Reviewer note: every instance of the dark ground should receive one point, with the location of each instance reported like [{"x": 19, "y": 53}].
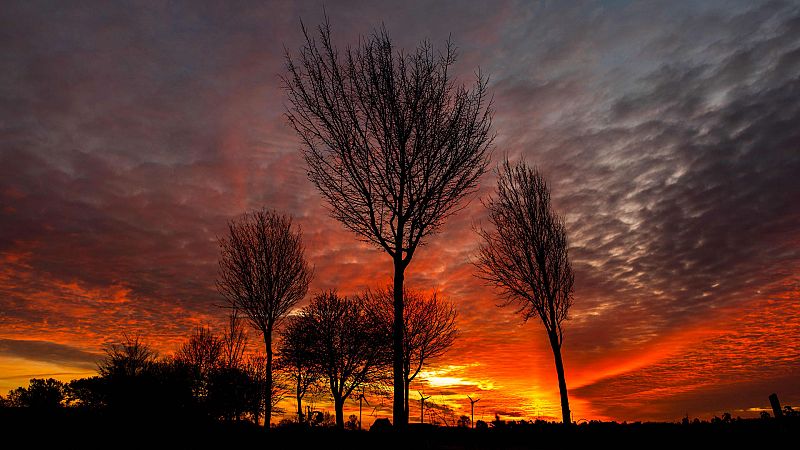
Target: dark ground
[{"x": 76, "y": 429}]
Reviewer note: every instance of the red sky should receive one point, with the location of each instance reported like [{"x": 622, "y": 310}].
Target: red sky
[{"x": 131, "y": 136}]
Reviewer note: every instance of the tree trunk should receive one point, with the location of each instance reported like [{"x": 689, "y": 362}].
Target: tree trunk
[
  {"x": 398, "y": 410},
  {"x": 338, "y": 404},
  {"x": 299, "y": 403},
  {"x": 257, "y": 409},
  {"x": 407, "y": 385},
  {"x": 268, "y": 380},
  {"x": 562, "y": 382}
]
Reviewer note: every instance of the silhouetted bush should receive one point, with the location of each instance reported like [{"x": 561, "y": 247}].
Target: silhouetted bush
[
  {"x": 230, "y": 393},
  {"x": 40, "y": 394},
  {"x": 89, "y": 393},
  {"x": 382, "y": 424},
  {"x": 135, "y": 384}
]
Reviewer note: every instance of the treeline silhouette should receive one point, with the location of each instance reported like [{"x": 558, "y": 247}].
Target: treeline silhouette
[
  {"x": 196, "y": 383},
  {"x": 336, "y": 347},
  {"x": 212, "y": 388},
  {"x": 142, "y": 400}
]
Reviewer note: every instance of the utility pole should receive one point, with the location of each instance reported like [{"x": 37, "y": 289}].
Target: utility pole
[
  {"x": 422, "y": 406},
  {"x": 776, "y": 406},
  {"x": 472, "y": 409}
]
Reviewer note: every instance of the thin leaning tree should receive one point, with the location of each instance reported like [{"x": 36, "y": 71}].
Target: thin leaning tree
[
  {"x": 263, "y": 273},
  {"x": 392, "y": 143},
  {"x": 525, "y": 256}
]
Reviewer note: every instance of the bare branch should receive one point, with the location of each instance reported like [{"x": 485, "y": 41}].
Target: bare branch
[
  {"x": 390, "y": 141},
  {"x": 430, "y": 325}
]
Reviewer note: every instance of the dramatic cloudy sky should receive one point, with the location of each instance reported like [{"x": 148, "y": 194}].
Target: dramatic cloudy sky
[{"x": 131, "y": 133}]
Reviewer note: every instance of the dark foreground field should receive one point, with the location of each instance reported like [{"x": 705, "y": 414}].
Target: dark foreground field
[{"x": 76, "y": 430}]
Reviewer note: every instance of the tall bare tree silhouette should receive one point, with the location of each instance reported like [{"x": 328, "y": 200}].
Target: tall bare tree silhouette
[
  {"x": 429, "y": 327},
  {"x": 202, "y": 353},
  {"x": 391, "y": 142},
  {"x": 263, "y": 273},
  {"x": 234, "y": 341},
  {"x": 525, "y": 256}
]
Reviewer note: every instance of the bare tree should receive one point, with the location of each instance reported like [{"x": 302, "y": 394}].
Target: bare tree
[
  {"x": 296, "y": 358},
  {"x": 391, "y": 142},
  {"x": 129, "y": 358},
  {"x": 429, "y": 328},
  {"x": 525, "y": 256},
  {"x": 263, "y": 273},
  {"x": 202, "y": 352},
  {"x": 346, "y": 345},
  {"x": 234, "y": 341}
]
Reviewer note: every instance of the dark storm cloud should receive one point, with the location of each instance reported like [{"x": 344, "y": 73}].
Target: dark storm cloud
[
  {"x": 132, "y": 135},
  {"x": 49, "y": 352},
  {"x": 693, "y": 181},
  {"x": 681, "y": 192},
  {"x": 686, "y": 160},
  {"x": 118, "y": 158}
]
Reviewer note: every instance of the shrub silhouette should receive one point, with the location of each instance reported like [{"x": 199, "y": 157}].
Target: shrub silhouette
[{"x": 41, "y": 394}]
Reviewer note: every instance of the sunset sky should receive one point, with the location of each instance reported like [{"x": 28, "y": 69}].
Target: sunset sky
[{"x": 669, "y": 132}]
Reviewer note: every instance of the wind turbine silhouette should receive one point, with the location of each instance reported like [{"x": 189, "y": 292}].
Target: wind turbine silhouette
[
  {"x": 361, "y": 399},
  {"x": 472, "y": 409},
  {"x": 422, "y": 406}
]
